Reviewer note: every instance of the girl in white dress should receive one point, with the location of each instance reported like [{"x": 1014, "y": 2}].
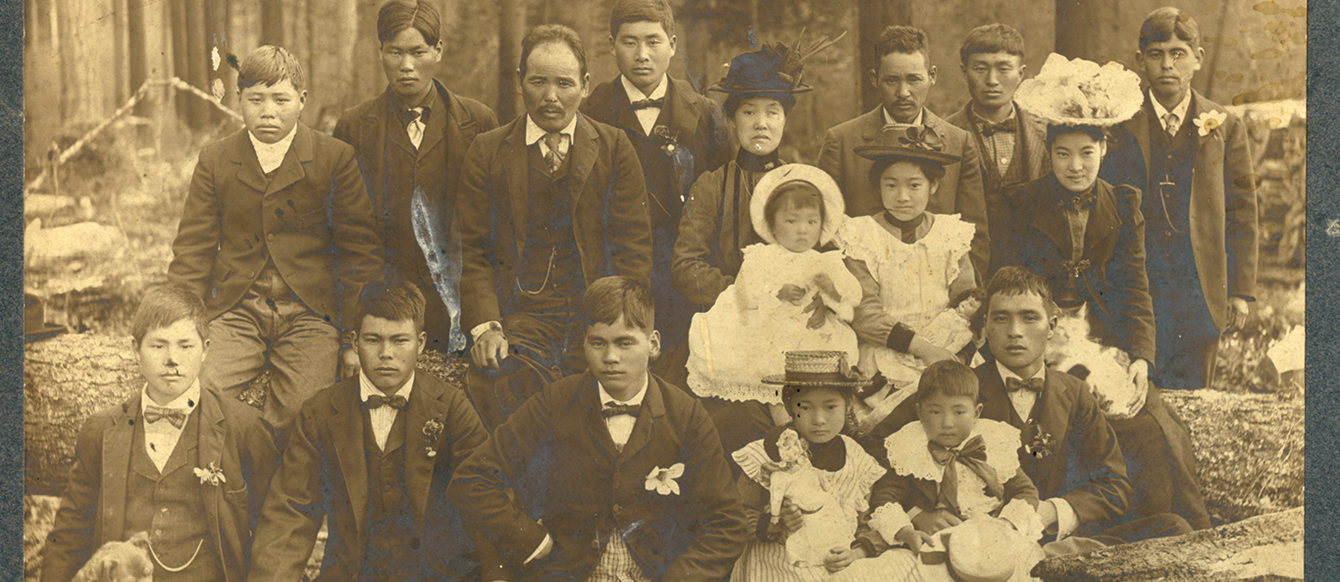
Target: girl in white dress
[{"x": 789, "y": 294}]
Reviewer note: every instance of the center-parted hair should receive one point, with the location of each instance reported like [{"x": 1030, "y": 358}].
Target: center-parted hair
[
  {"x": 947, "y": 378},
  {"x": 609, "y": 298},
  {"x": 397, "y": 15},
  {"x": 797, "y": 195},
  {"x": 1016, "y": 280},
  {"x": 270, "y": 64},
  {"x": 552, "y": 33},
  {"x": 393, "y": 300},
  {"x": 992, "y": 38},
  {"x": 934, "y": 172},
  {"x": 165, "y": 305},
  {"x": 1164, "y": 24},
  {"x": 1093, "y": 131},
  {"x": 903, "y": 39},
  {"x": 657, "y": 11}
]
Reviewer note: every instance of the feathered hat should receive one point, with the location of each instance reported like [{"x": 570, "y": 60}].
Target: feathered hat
[
  {"x": 773, "y": 68},
  {"x": 1079, "y": 92}
]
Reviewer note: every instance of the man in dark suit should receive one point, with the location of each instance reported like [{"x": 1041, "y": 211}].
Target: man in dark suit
[
  {"x": 1011, "y": 141},
  {"x": 549, "y": 203},
  {"x": 373, "y": 455},
  {"x": 611, "y": 474},
  {"x": 1192, "y": 158},
  {"x": 411, "y": 138},
  {"x": 678, "y": 135},
  {"x": 904, "y": 79},
  {"x": 180, "y": 463},
  {"x": 277, "y": 237}
]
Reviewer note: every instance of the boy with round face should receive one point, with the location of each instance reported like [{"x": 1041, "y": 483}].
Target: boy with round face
[
  {"x": 372, "y": 455},
  {"x": 412, "y": 137},
  {"x": 161, "y": 461}
]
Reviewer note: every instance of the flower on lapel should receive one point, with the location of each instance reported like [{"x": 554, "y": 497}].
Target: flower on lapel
[
  {"x": 1209, "y": 121},
  {"x": 432, "y": 430},
  {"x": 1040, "y": 445},
  {"x": 663, "y": 480},
  {"x": 211, "y": 474},
  {"x": 666, "y": 141}
]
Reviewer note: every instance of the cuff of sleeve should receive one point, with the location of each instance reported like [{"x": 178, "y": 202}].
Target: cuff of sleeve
[
  {"x": 1066, "y": 519},
  {"x": 888, "y": 520},
  {"x": 900, "y": 337},
  {"x": 546, "y": 543},
  {"x": 1024, "y": 519},
  {"x": 479, "y": 330}
]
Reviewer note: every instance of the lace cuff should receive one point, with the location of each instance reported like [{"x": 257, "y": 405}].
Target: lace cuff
[
  {"x": 1024, "y": 519},
  {"x": 888, "y": 520}
]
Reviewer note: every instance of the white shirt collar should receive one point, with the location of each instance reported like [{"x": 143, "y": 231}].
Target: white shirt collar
[
  {"x": 635, "y": 94},
  {"x": 186, "y": 401},
  {"x": 636, "y": 400},
  {"x": 534, "y": 132},
  {"x": 1006, "y": 373},
  {"x": 271, "y": 155},
  {"x": 1179, "y": 111},
  {"x": 366, "y": 388},
  {"x": 888, "y": 119}
]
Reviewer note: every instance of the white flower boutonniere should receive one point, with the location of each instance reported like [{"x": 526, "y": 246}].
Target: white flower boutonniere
[
  {"x": 431, "y": 431},
  {"x": 663, "y": 480},
  {"x": 1209, "y": 121},
  {"x": 212, "y": 475}
]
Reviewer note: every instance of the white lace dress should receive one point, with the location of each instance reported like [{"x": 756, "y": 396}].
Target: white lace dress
[{"x": 746, "y": 334}]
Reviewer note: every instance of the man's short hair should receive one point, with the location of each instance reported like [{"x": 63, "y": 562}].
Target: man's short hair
[
  {"x": 392, "y": 300},
  {"x": 165, "y": 305},
  {"x": 657, "y": 11},
  {"x": 948, "y": 378},
  {"x": 992, "y": 38},
  {"x": 268, "y": 65},
  {"x": 1016, "y": 280},
  {"x": 552, "y": 33},
  {"x": 1163, "y": 24},
  {"x": 397, "y": 15},
  {"x": 902, "y": 39},
  {"x": 609, "y": 298}
]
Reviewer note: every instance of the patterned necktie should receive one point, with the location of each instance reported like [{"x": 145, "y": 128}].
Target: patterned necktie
[
  {"x": 1170, "y": 124},
  {"x": 416, "y": 126},
  {"x": 610, "y": 409},
  {"x": 1031, "y": 384},
  {"x": 641, "y": 104},
  {"x": 176, "y": 416},
  {"x": 990, "y": 128},
  {"x": 376, "y": 401},
  {"x": 554, "y": 140},
  {"x": 971, "y": 454}
]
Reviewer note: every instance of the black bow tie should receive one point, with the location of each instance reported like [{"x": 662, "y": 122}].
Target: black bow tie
[
  {"x": 1078, "y": 202},
  {"x": 990, "y": 128},
  {"x": 376, "y": 401},
  {"x": 610, "y": 410},
  {"x": 176, "y": 416},
  {"x": 1031, "y": 384},
  {"x": 641, "y": 104}
]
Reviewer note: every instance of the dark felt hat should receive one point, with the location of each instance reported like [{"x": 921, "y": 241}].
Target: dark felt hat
[
  {"x": 915, "y": 143},
  {"x": 772, "y": 69},
  {"x": 818, "y": 368}
]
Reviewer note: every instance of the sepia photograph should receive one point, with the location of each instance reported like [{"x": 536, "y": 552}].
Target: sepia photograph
[{"x": 632, "y": 290}]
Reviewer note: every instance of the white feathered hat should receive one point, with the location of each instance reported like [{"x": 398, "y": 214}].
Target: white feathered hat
[{"x": 1079, "y": 92}]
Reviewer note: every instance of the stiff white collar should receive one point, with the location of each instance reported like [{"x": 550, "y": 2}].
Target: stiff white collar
[
  {"x": 366, "y": 388},
  {"x": 888, "y": 119},
  {"x": 1179, "y": 111},
  {"x": 186, "y": 401},
  {"x": 1006, "y": 373},
  {"x": 534, "y": 132},
  {"x": 635, "y": 94},
  {"x": 271, "y": 155},
  {"x": 636, "y": 400}
]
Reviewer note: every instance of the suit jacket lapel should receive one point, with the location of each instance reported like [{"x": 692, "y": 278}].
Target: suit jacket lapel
[
  {"x": 116, "y": 443},
  {"x": 588, "y": 401},
  {"x": 1034, "y": 138},
  {"x": 1049, "y": 219},
  {"x": 425, "y": 403},
  {"x": 347, "y": 436},
  {"x": 515, "y": 170},
  {"x": 995, "y": 399},
  {"x": 213, "y": 429},
  {"x": 581, "y": 160},
  {"x": 1103, "y": 223},
  {"x": 622, "y": 108},
  {"x": 653, "y": 408},
  {"x": 1053, "y": 415},
  {"x": 682, "y": 116},
  {"x": 872, "y": 122},
  {"x": 248, "y": 167},
  {"x": 459, "y": 126},
  {"x": 291, "y": 170},
  {"x": 1140, "y": 128}
]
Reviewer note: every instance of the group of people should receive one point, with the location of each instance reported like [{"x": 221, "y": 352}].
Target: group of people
[{"x": 688, "y": 358}]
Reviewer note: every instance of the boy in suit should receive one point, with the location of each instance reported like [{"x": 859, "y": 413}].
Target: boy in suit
[
  {"x": 1068, "y": 448},
  {"x": 277, "y": 236},
  {"x": 373, "y": 455},
  {"x": 904, "y": 79},
  {"x": 678, "y": 135},
  {"x": 549, "y": 203},
  {"x": 1011, "y": 141},
  {"x": 413, "y": 137},
  {"x": 622, "y": 476},
  {"x": 1191, "y": 157},
  {"x": 180, "y": 463}
]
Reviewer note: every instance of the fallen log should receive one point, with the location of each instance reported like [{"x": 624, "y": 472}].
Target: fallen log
[{"x": 1268, "y": 547}]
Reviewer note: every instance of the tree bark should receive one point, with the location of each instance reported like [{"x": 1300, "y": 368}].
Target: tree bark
[{"x": 512, "y": 26}]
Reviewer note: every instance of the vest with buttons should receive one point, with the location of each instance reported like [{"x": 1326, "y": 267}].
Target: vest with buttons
[
  {"x": 170, "y": 507},
  {"x": 658, "y": 169},
  {"x": 549, "y": 231},
  {"x": 1167, "y": 208},
  {"x": 391, "y": 549}
]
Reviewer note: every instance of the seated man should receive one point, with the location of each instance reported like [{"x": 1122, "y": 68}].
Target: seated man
[
  {"x": 619, "y": 476},
  {"x": 373, "y": 455},
  {"x": 549, "y": 203},
  {"x": 185, "y": 465}
]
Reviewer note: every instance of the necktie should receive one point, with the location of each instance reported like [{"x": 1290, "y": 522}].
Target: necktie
[
  {"x": 972, "y": 454},
  {"x": 990, "y": 128},
  {"x": 611, "y": 409},
  {"x": 641, "y": 104},
  {"x": 1031, "y": 384},
  {"x": 416, "y": 126},
  {"x": 176, "y": 416},
  {"x": 1170, "y": 124},
  {"x": 376, "y": 401},
  {"x": 554, "y": 140}
]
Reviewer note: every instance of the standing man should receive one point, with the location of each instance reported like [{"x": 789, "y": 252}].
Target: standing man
[
  {"x": 904, "y": 79},
  {"x": 1191, "y": 156},
  {"x": 678, "y": 135},
  {"x": 549, "y": 202},
  {"x": 1012, "y": 142},
  {"x": 413, "y": 138}
]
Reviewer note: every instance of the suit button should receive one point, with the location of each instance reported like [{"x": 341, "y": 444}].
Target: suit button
[
  {"x": 270, "y": 237},
  {"x": 164, "y": 510}
]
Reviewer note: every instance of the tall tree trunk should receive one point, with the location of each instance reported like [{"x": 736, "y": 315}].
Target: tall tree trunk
[
  {"x": 136, "y": 53},
  {"x": 272, "y": 22},
  {"x": 512, "y": 26},
  {"x": 1088, "y": 29},
  {"x": 875, "y": 16}
]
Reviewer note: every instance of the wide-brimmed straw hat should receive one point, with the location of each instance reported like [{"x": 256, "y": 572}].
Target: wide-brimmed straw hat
[
  {"x": 1078, "y": 92},
  {"x": 818, "y": 368},
  {"x": 834, "y": 207},
  {"x": 915, "y": 143}
]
